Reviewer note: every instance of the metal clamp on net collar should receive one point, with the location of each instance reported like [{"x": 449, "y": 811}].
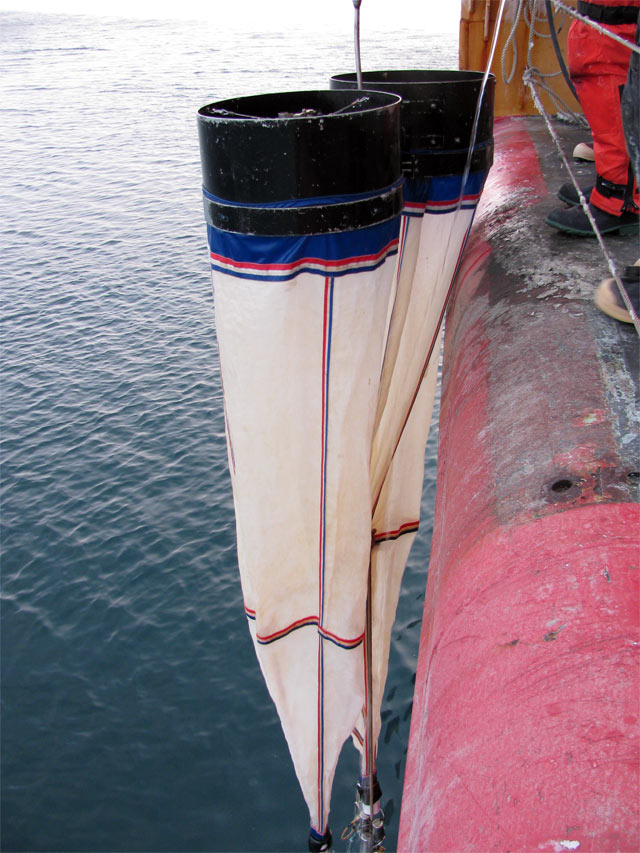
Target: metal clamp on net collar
[
  {"x": 365, "y": 832},
  {"x": 367, "y": 827},
  {"x": 221, "y": 113},
  {"x": 354, "y": 105},
  {"x": 307, "y": 113},
  {"x": 425, "y": 163},
  {"x": 218, "y": 112},
  {"x": 437, "y": 117}
]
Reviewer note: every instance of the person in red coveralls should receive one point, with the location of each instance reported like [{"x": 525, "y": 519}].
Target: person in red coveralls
[
  {"x": 598, "y": 67},
  {"x": 608, "y": 297}
]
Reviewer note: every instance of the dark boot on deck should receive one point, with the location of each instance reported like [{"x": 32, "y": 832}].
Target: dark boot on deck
[
  {"x": 569, "y": 194},
  {"x": 573, "y": 220}
]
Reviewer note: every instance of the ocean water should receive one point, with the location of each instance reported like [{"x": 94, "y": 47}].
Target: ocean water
[{"x": 134, "y": 715}]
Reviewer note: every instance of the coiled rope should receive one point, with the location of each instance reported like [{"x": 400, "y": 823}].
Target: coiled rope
[
  {"x": 530, "y": 12},
  {"x": 511, "y": 42}
]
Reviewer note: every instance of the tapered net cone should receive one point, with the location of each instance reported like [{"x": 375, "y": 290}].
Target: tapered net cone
[
  {"x": 303, "y": 291},
  {"x": 437, "y": 119},
  {"x": 329, "y": 297}
]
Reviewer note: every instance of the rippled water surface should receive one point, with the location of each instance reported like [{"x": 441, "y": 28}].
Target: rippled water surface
[{"x": 135, "y": 717}]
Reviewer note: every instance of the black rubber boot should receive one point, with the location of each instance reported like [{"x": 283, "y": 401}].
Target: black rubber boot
[
  {"x": 573, "y": 220},
  {"x": 569, "y": 194}
]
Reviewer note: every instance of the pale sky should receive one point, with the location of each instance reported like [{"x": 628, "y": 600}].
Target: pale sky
[{"x": 429, "y": 16}]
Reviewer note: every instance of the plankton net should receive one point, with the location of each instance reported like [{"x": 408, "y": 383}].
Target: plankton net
[{"x": 330, "y": 273}]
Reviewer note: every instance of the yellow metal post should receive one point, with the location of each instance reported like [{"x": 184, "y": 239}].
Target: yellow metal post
[{"x": 477, "y": 20}]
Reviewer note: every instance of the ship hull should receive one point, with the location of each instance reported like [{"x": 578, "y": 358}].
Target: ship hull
[{"x": 524, "y": 731}]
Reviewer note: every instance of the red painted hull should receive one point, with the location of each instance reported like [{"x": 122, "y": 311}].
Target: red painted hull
[{"x": 524, "y": 732}]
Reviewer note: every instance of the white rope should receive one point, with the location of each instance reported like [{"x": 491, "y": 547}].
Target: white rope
[
  {"x": 514, "y": 47},
  {"x": 527, "y": 10},
  {"x": 596, "y": 26},
  {"x": 564, "y": 110},
  {"x": 528, "y": 79}
]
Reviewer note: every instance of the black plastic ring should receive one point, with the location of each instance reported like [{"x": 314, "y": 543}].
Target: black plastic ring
[
  {"x": 437, "y": 112},
  {"x": 425, "y": 164},
  {"x": 296, "y": 145},
  {"x": 304, "y": 221}
]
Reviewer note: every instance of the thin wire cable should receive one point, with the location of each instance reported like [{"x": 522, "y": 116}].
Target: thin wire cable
[
  {"x": 563, "y": 109},
  {"x": 366, "y": 844},
  {"x": 476, "y": 117},
  {"x": 465, "y": 176},
  {"x": 356, "y": 41},
  {"x": 532, "y": 14},
  {"x": 527, "y": 78}
]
